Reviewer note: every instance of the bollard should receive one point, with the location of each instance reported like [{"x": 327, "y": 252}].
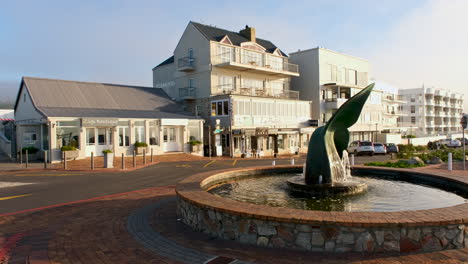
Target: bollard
[
  {"x": 151, "y": 156},
  {"x": 352, "y": 160},
  {"x": 21, "y": 156},
  {"x": 92, "y": 160},
  {"x": 144, "y": 157},
  {"x": 304, "y": 169},
  {"x": 273, "y": 163},
  {"x": 27, "y": 159},
  {"x": 64, "y": 160},
  {"x": 45, "y": 159},
  {"x": 123, "y": 161},
  {"x": 449, "y": 161},
  {"x": 134, "y": 159},
  {"x": 292, "y": 161}
]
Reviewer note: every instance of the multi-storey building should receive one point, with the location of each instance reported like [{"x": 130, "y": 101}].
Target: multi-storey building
[
  {"x": 330, "y": 78},
  {"x": 431, "y": 111},
  {"x": 240, "y": 85}
]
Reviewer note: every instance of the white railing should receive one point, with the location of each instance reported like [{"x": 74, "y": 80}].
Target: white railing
[{"x": 265, "y": 61}]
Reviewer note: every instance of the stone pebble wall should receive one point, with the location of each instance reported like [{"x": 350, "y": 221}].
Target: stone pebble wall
[{"x": 323, "y": 238}]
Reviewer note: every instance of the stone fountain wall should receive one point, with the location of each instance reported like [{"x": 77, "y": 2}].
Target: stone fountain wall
[{"x": 321, "y": 238}]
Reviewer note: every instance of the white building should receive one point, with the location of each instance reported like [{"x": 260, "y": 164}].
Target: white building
[
  {"x": 240, "y": 85},
  {"x": 329, "y": 78},
  {"x": 431, "y": 111},
  {"x": 93, "y": 117}
]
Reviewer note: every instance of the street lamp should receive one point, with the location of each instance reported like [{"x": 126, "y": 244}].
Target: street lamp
[{"x": 463, "y": 123}]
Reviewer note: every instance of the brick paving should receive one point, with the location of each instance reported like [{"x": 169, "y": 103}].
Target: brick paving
[{"x": 97, "y": 232}]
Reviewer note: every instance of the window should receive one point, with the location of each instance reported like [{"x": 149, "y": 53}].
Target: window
[
  {"x": 280, "y": 141},
  {"x": 252, "y": 58},
  {"x": 413, "y": 109},
  {"x": 413, "y": 99},
  {"x": 124, "y": 134},
  {"x": 276, "y": 63},
  {"x": 29, "y": 138},
  {"x": 140, "y": 131},
  {"x": 226, "y": 83},
  {"x": 68, "y": 133},
  {"x": 413, "y": 120},
  {"x": 154, "y": 133},
  {"x": 225, "y": 53},
  {"x": 253, "y": 84},
  {"x": 220, "y": 108},
  {"x": 90, "y": 136},
  {"x": 172, "y": 135},
  {"x": 352, "y": 77}
]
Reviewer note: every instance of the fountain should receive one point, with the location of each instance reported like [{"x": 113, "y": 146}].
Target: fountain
[
  {"x": 327, "y": 170},
  {"x": 310, "y": 206}
]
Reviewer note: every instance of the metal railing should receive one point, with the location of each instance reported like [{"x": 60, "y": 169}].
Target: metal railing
[
  {"x": 187, "y": 92},
  {"x": 186, "y": 62},
  {"x": 262, "y": 60},
  {"x": 258, "y": 92}
]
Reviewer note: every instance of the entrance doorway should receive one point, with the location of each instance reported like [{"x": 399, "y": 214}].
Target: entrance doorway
[
  {"x": 172, "y": 138},
  {"x": 98, "y": 140}
]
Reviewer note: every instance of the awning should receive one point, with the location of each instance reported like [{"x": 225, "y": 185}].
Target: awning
[{"x": 217, "y": 131}]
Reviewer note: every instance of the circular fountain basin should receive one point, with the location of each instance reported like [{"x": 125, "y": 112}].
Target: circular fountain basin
[
  {"x": 298, "y": 185},
  {"x": 323, "y": 231}
]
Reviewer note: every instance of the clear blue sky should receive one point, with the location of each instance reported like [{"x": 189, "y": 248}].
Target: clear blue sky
[{"x": 121, "y": 41}]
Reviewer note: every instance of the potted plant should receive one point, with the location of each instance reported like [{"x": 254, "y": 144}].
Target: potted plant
[
  {"x": 195, "y": 145},
  {"x": 108, "y": 158},
  {"x": 140, "y": 147},
  {"x": 32, "y": 153},
  {"x": 70, "y": 152}
]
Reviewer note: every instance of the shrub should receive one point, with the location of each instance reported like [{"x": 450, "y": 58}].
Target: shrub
[
  {"x": 107, "y": 151},
  {"x": 31, "y": 150},
  {"x": 421, "y": 148},
  {"x": 195, "y": 142},
  {"x": 398, "y": 164},
  {"x": 68, "y": 148},
  {"x": 140, "y": 144}
]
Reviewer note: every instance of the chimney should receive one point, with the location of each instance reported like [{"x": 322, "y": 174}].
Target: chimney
[{"x": 248, "y": 32}]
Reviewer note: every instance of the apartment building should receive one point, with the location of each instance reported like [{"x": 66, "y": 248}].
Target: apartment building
[
  {"x": 241, "y": 86},
  {"x": 431, "y": 111},
  {"x": 329, "y": 78}
]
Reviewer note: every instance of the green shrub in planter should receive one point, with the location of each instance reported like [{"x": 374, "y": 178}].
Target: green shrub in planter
[
  {"x": 107, "y": 151},
  {"x": 140, "y": 144},
  {"x": 31, "y": 150},
  {"x": 195, "y": 142},
  {"x": 68, "y": 148}
]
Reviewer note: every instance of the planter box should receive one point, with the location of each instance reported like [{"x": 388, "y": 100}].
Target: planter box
[
  {"x": 195, "y": 148},
  {"x": 71, "y": 154},
  {"x": 108, "y": 160},
  {"x": 140, "y": 150}
]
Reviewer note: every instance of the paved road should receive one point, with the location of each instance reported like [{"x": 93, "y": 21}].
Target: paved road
[{"x": 27, "y": 190}]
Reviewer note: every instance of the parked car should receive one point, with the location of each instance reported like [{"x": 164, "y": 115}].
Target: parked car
[
  {"x": 392, "y": 148},
  {"x": 461, "y": 140},
  {"x": 380, "y": 148},
  {"x": 361, "y": 148},
  {"x": 451, "y": 143}
]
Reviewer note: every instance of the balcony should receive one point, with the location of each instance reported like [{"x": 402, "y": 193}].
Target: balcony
[
  {"x": 188, "y": 93},
  {"x": 394, "y": 99},
  {"x": 186, "y": 64},
  {"x": 429, "y": 91},
  {"x": 429, "y": 113},
  {"x": 263, "y": 64},
  {"x": 429, "y": 102},
  {"x": 334, "y": 103},
  {"x": 258, "y": 92}
]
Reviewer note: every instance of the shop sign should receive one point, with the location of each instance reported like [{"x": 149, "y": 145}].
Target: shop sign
[
  {"x": 99, "y": 122},
  {"x": 272, "y": 131},
  {"x": 261, "y": 131},
  {"x": 250, "y": 132}
]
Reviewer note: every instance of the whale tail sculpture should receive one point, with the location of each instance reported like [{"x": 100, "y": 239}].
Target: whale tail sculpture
[{"x": 329, "y": 142}]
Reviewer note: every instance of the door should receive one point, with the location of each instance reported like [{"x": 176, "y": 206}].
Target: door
[
  {"x": 172, "y": 139},
  {"x": 98, "y": 140}
]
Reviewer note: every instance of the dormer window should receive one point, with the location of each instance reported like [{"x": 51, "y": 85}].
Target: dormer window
[
  {"x": 226, "y": 40},
  {"x": 252, "y": 46}
]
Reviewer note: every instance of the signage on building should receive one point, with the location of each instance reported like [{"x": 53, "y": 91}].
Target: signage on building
[
  {"x": 261, "y": 131},
  {"x": 313, "y": 123},
  {"x": 99, "y": 122},
  {"x": 272, "y": 131},
  {"x": 249, "y": 132}
]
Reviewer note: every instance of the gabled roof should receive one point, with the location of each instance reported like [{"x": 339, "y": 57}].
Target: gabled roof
[
  {"x": 216, "y": 34},
  {"x": 168, "y": 61},
  {"x": 60, "y": 98}
]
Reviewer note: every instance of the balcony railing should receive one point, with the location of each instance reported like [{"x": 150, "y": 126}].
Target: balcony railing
[
  {"x": 257, "y": 91},
  {"x": 186, "y": 64},
  {"x": 188, "y": 93},
  {"x": 259, "y": 62}
]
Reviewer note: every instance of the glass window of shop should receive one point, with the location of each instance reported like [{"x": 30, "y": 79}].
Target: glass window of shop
[
  {"x": 124, "y": 134},
  {"x": 68, "y": 133},
  {"x": 281, "y": 141},
  {"x": 154, "y": 133},
  {"x": 140, "y": 131}
]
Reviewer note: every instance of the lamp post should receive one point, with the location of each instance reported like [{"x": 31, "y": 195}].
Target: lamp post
[{"x": 463, "y": 123}]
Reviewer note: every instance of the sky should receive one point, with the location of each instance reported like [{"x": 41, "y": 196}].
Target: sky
[{"x": 408, "y": 43}]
